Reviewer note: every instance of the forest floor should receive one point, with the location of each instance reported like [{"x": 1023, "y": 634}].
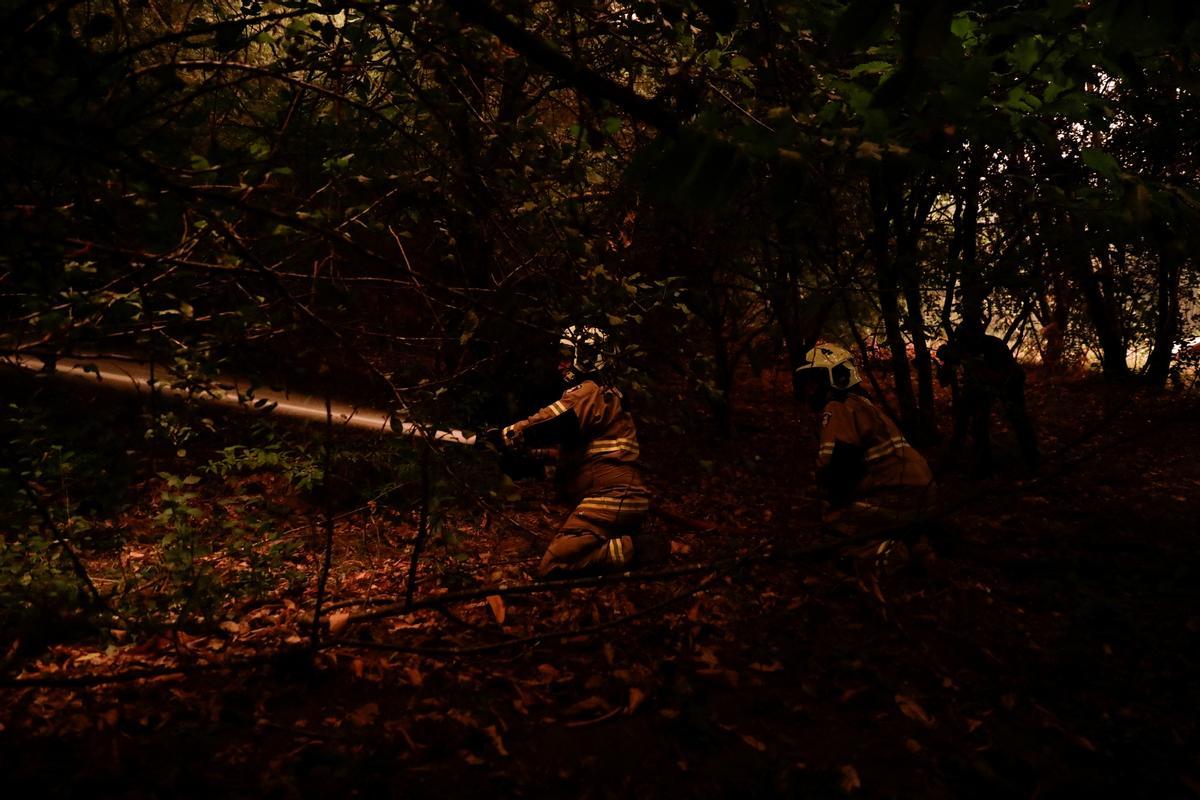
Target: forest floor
[{"x": 1050, "y": 652}]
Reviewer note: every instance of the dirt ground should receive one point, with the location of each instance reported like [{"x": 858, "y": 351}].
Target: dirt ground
[{"x": 1050, "y": 652}]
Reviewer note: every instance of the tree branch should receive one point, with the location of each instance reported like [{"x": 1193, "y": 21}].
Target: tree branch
[{"x": 594, "y": 85}]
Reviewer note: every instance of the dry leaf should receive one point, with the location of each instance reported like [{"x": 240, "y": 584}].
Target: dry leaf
[
  {"x": 593, "y": 703},
  {"x": 755, "y": 743},
  {"x": 497, "y": 742},
  {"x": 851, "y": 693},
  {"x": 636, "y": 697},
  {"x": 465, "y": 719},
  {"x": 850, "y": 781},
  {"x": 705, "y": 655},
  {"x": 398, "y": 726},
  {"x": 912, "y": 709},
  {"x": 496, "y": 603},
  {"x": 364, "y": 715},
  {"x": 338, "y": 621}
]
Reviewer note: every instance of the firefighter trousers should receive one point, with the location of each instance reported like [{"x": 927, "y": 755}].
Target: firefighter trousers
[
  {"x": 895, "y": 514},
  {"x": 601, "y": 533}
]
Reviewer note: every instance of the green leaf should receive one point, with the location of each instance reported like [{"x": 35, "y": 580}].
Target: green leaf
[
  {"x": 963, "y": 27},
  {"x": 1022, "y": 100},
  {"x": 871, "y": 68},
  {"x": 1101, "y": 162},
  {"x": 1026, "y": 54}
]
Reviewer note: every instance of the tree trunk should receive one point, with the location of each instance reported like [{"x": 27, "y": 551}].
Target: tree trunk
[
  {"x": 973, "y": 289},
  {"x": 1166, "y": 327},
  {"x": 954, "y": 267},
  {"x": 927, "y": 425},
  {"x": 909, "y": 220},
  {"x": 885, "y": 268},
  {"x": 1102, "y": 310},
  {"x": 723, "y": 367},
  {"x": 1104, "y": 318}
]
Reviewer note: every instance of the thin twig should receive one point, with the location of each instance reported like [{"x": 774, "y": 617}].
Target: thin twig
[
  {"x": 422, "y": 529},
  {"x": 327, "y": 494}
]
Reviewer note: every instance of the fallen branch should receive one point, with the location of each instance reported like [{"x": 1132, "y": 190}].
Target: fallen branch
[
  {"x": 541, "y": 637},
  {"x": 503, "y": 589},
  {"x": 138, "y": 673}
]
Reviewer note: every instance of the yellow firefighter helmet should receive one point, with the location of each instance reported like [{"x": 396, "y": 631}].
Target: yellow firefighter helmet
[{"x": 831, "y": 357}]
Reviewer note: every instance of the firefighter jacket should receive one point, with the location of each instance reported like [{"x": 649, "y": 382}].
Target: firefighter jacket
[
  {"x": 596, "y": 438},
  {"x": 863, "y": 452}
]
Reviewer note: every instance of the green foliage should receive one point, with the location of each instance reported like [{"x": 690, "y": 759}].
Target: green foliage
[
  {"x": 190, "y": 578},
  {"x": 299, "y": 468},
  {"x": 38, "y": 589}
]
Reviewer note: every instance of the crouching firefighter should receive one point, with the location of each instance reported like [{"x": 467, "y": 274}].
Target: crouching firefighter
[
  {"x": 596, "y": 444},
  {"x": 873, "y": 480}
]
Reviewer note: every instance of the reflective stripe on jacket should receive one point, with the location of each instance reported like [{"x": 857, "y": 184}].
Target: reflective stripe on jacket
[
  {"x": 603, "y": 450},
  {"x": 889, "y": 460}
]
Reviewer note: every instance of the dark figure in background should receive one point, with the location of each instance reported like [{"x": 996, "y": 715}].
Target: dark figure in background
[{"x": 980, "y": 369}]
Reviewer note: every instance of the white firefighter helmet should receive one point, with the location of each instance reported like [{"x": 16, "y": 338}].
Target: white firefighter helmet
[
  {"x": 584, "y": 346},
  {"x": 829, "y": 357}
]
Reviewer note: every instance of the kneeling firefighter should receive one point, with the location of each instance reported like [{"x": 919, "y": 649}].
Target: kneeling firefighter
[
  {"x": 873, "y": 480},
  {"x": 595, "y": 441}
]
